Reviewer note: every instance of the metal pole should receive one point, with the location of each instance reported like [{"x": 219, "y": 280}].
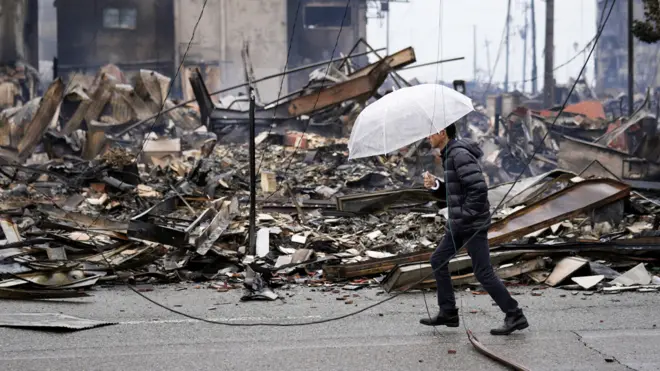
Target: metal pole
[
  {"x": 534, "y": 71},
  {"x": 631, "y": 61},
  {"x": 508, "y": 23},
  {"x": 524, "y": 35},
  {"x": 548, "y": 78},
  {"x": 253, "y": 178},
  {"x": 474, "y": 46},
  {"x": 432, "y": 63},
  {"x": 387, "y": 31}
]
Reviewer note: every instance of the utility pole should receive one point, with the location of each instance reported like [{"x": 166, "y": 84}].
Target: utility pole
[
  {"x": 474, "y": 45},
  {"x": 508, "y": 24},
  {"x": 524, "y": 37},
  {"x": 534, "y": 71},
  {"x": 252, "y": 239},
  {"x": 386, "y": 4},
  {"x": 631, "y": 61},
  {"x": 548, "y": 78},
  {"x": 487, "y": 44}
]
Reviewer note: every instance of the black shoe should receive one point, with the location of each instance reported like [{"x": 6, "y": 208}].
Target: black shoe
[
  {"x": 513, "y": 321},
  {"x": 449, "y": 319}
]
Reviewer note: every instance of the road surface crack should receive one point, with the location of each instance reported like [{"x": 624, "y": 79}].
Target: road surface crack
[{"x": 605, "y": 356}]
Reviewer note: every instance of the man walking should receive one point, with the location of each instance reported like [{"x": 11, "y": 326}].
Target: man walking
[{"x": 469, "y": 219}]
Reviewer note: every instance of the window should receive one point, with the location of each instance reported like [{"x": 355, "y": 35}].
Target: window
[
  {"x": 121, "y": 18},
  {"x": 317, "y": 16}
]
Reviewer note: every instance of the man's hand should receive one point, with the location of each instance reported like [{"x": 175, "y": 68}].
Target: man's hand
[{"x": 429, "y": 180}]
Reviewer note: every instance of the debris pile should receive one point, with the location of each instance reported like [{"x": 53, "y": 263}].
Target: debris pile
[
  {"x": 88, "y": 195},
  {"x": 70, "y": 225}
]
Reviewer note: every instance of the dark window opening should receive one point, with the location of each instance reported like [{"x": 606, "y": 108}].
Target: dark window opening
[
  {"x": 120, "y": 18},
  {"x": 326, "y": 16}
]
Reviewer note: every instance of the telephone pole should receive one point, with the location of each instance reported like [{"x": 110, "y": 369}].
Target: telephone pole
[
  {"x": 534, "y": 71},
  {"x": 387, "y": 43},
  {"x": 548, "y": 78},
  {"x": 474, "y": 45},
  {"x": 631, "y": 61},
  {"x": 508, "y": 24},
  {"x": 524, "y": 37}
]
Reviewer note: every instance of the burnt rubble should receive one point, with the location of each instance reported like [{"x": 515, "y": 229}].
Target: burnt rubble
[{"x": 93, "y": 192}]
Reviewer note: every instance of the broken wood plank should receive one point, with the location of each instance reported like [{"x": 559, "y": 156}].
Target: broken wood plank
[
  {"x": 406, "y": 274},
  {"x": 394, "y": 61},
  {"x": 358, "y": 88},
  {"x": 428, "y": 281},
  {"x": 566, "y": 268},
  {"x": 47, "y": 112}
]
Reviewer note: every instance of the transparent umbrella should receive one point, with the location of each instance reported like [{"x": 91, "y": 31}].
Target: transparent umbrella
[{"x": 404, "y": 117}]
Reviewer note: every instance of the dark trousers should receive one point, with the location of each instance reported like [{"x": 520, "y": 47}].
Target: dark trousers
[{"x": 478, "y": 250}]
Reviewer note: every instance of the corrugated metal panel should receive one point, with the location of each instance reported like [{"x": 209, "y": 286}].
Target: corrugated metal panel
[{"x": 120, "y": 110}]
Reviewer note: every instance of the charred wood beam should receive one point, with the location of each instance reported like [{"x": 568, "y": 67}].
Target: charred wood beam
[{"x": 301, "y": 68}]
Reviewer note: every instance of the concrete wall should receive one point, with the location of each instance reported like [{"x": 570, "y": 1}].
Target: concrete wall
[
  {"x": 575, "y": 155},
  {"x": 205, "y": 50},
  {"x": 262, "y": 23},
  {"x": 219, "y": 39},
  {"x": 317, "y": 28},
  {"x": 47, "y": 30},
  {"x": 19, "y": 27},
  {"x": 85, "y": 44},
  {"x": 611, "y": 55}
]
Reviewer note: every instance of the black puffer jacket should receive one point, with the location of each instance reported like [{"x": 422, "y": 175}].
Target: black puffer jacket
[{"x": 467, "y": 192}]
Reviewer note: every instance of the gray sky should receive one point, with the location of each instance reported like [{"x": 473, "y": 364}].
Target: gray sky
[{"x": 417, "y": 23}]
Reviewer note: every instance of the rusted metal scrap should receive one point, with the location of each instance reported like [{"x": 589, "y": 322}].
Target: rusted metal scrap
[
  {"x": 559, "y": 206},
  {"x": 143, "y": 227},
  {"x": 571, "y": 201},
  {"x": 492, "y": 355},
  {"x": 380, "y": 200},
  {"x": 576, "y": 155}
]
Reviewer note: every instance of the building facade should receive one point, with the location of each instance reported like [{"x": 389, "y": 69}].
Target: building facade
[
  {"x": 154, "y": 34},
  {"x": 611, "y": 57},
  {"x": 19, "y": 32}
]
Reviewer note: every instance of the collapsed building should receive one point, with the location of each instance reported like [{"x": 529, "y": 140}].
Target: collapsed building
[{"x": 107, "y": 179}]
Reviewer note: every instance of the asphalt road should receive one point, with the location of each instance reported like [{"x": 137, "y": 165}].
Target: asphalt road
[{"x": 570, "y": 332}]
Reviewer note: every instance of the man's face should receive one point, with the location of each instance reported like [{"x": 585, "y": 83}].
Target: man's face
[{"x": 439, "y": 140}]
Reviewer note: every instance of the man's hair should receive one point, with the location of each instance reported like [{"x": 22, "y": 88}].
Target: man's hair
[{"x": 451, "y": 131}]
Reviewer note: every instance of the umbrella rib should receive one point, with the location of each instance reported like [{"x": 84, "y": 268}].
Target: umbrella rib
[{"x": 387, "y": 111}]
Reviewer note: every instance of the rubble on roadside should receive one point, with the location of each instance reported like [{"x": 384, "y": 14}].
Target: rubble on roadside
[{"x": 88, "y": 197}]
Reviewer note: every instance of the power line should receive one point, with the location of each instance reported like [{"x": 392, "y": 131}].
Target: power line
[
  {"x": 497, "y": 58},
  {"x": 286, "y": 64},
  {"x": 318, "y": 96},
  {"x": 581, "y": 52}
]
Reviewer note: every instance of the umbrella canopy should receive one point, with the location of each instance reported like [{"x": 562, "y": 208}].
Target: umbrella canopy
[{"x": 404, "y": 117}]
